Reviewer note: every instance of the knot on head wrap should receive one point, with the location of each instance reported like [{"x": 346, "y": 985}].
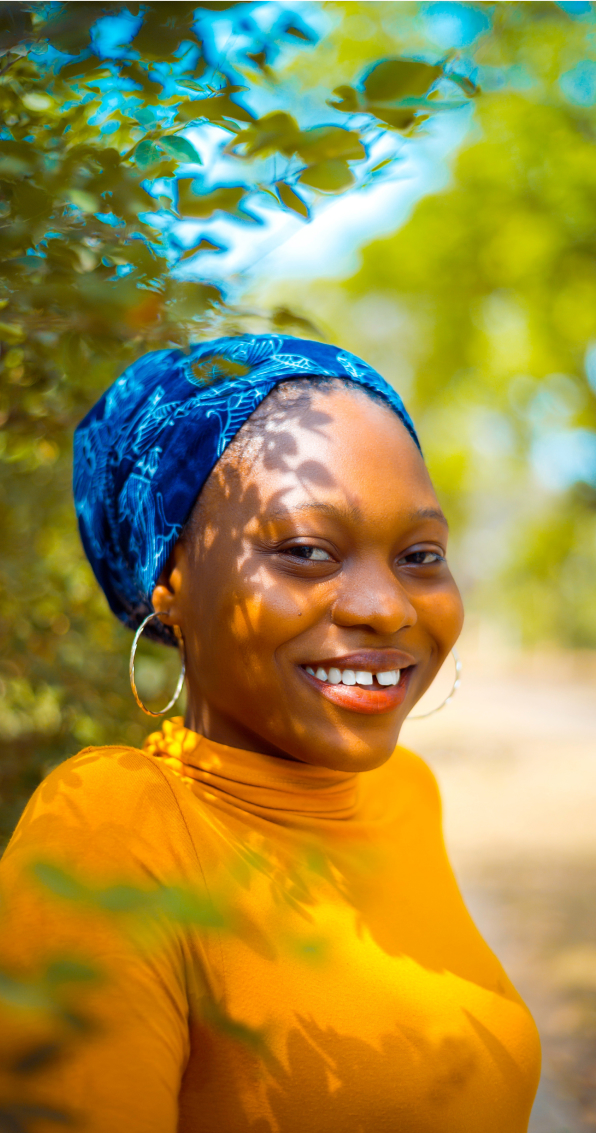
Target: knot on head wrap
[{"x": 144, "y": 451}]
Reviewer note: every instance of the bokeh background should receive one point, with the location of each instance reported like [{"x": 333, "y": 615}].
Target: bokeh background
[{"x": 456, "y": 252}]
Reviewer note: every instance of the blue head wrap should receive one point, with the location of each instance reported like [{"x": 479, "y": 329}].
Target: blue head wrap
[{"x": 144, "y": 451}]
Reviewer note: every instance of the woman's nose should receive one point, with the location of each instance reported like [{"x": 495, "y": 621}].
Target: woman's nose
[{"x": 373, "y": 597}]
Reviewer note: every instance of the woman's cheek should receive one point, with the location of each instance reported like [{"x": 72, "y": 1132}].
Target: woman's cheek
[{"x": 442, "y": 614}]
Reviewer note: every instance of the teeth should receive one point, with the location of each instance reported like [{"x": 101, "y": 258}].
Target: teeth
[
  {"x": 390, "y": 678},
  {"x": 352, "y": 677}
]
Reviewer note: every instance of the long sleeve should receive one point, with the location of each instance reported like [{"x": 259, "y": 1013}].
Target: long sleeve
[{"x": 111, "y": 1050}]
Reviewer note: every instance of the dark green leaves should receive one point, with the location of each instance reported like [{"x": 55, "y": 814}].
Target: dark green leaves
[
  {"x": 396, "y": 91},
  {"x": 273, "y": 133},
  {"x": 324, "y": 143},
  {"x": 193, "y": 203},
  {"x": 329, "y": 176},
  {"x": 176, "y": 904},
  {"x": 399, "y": 78},
  {"x": 291, "y": 199},
  {"x": 15, "y": 26},
  {"x": 221, "y": 109},
  {"x": 92, "y": 265}
]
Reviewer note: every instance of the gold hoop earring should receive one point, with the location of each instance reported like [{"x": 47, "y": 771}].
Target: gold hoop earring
[
  {"x": 131, "y": 668},
  {"x": 449, "y": 698}
]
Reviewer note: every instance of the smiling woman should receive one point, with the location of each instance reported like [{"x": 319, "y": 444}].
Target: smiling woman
[{"x": 338, "y": 984}]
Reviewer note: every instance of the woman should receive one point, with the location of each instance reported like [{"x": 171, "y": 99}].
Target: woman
[{"x": 318, "y": 970}]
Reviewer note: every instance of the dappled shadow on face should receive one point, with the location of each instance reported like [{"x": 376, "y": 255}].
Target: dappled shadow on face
[{"x": 248, "y": 617}]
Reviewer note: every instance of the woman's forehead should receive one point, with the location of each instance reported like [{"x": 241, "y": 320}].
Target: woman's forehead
[
  {"x": 340, "y": 433},
  {"x": 344, "y": 453}
]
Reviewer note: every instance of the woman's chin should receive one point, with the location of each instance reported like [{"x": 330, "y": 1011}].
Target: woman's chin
[{"x": 347, "y": 752}]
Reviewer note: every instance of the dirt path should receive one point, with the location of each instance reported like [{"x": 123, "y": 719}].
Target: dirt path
[{"x": 515, "y": 756}]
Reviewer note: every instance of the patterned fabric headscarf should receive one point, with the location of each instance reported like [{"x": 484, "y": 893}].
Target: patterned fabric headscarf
[{"x": 143, "y": 453}]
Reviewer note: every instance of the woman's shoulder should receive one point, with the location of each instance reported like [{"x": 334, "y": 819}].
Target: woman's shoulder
[
  {"x": 105, "y": 805},
  {"x": 100, "y": 780}
]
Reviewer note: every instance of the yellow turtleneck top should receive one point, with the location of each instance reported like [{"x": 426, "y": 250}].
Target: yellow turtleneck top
[{"x": 311, "y": 966}]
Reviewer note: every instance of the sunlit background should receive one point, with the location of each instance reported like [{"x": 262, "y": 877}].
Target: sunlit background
[{"x": 461, "y": 263}]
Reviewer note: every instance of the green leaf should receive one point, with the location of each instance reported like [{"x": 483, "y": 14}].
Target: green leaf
[
  {"x": 464, "y": 83},
  {"x": 181, "y": 148},
  {"x": 283, "y": 317},
  {"x": 123, "y": 899},
  {"x": 11, "y": 332},
  {"x": 16, "y": 159},
  {"x": 219, "y": 108},
  {"x": 298, "y": 33},
  {"x": 181, "y": 905},
  {"x": 202, "y": 246},
  {"x": 30, "y": 202},
  {"x": 289, "y": 197},
  {"x": 69, "y": 29},
  {"x": 347, "y": 100},
  {"x": 395, "y": 78},
  {"x": 65, "y": 971},
  {"x": 133, "y": 70},
  {"x": 147, "y": 154},
  {"x": 225, "y": 199},
  {"x": 329, "y": 176},
  {"x": 86, "y": 202},
  {"x": 161, "y": 34},
  {"x": 401, "y": 119},
  {"x": 273, "y": 133},
  {"x": 323, "y": 142},
  {"x": 59, "y": 882},
  {"x": 382, "y": 164},
  {"x": 15, "y": 25},
  {"x": 80, "y": 67}
]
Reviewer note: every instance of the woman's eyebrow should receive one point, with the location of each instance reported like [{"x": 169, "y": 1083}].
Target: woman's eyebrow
[
  {"x": 429, "y": 513},
  {"x": 347, "y": 512},
  {"x": 351, "y": 513}
]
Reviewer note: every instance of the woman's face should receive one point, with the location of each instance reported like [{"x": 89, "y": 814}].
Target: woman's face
[{"x": 317, "y": 573}]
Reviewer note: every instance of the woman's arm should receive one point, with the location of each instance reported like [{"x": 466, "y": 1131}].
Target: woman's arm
[{"x": 109, "y": 1049}]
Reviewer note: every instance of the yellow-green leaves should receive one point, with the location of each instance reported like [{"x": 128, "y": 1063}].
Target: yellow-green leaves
[
  {"x": 328, "y": 143},
  {"x": 396, "y": 92},
  {"x": 221, "y": 109},
  {"x": 97, "y": 264},
  {"x": 329, "y": 176},
  {"x": 399, "y": 78},
  {"x": 86, "y": 202},
  {"x": 11, "y": 333},
  {"x": 291, "y": 199},
  {"x": 325, "y": 150},
  {"x": 273, "y": 133},
  {"x": 192, "y": 203}
]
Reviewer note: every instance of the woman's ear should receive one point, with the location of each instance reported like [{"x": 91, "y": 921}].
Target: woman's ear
[{"x": 167, "y": 592}]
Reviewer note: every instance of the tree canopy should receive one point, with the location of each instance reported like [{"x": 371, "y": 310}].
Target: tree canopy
[
  {"x": 128, "y": 132},
  {"x": 482, "y": 310}
]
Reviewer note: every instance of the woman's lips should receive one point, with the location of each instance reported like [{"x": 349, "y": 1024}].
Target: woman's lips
[{"x": 369, "y": 699}]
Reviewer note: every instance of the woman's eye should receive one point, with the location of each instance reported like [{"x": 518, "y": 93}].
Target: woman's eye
[
  {"x": 422, "y": 558},
  {"x": 311, "y": 554}
]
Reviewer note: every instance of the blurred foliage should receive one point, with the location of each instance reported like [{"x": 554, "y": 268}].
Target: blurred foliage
[
  {"x": 125, "y": 131},
  {"x": 481, "y": 309},
  {"x": 46, "y": 1013}
]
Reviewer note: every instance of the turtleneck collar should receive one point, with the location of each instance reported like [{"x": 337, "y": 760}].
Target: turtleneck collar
[{"x": 282, "y": 791}]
